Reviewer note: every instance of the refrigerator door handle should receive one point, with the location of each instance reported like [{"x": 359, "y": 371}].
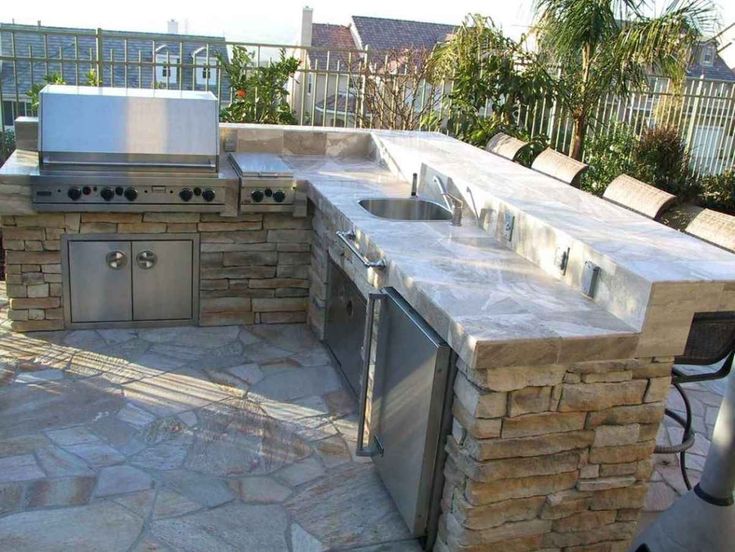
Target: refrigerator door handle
[{"x": 375, "y": 448}]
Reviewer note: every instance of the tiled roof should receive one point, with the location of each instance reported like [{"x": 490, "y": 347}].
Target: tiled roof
[
  {"x": 717, "y": 71},
  {"x": 381, "y": 34},
  {"x": 24, "y": 39},
  {"x": 341, "y": 102},
  {"x": 334, "y": 37}
]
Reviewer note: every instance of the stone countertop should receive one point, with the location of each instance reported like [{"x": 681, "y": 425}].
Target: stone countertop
[
  {"x": 645, "y": 247},
  {"x": 482, "y": 297}
]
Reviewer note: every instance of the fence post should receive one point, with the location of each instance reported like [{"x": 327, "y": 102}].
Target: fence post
[
  {"x": 363, "y": 85},
  {"x": 693, "y": 116},
  {"x": 98, "y": 41}
]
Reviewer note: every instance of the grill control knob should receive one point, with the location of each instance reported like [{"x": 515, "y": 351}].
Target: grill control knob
[
  {"x": 86, "y": 190},
  {"x": 119, "y": 190},
  {"x": 257, "y": 196},
  {"x": 197, "y": 191},
  {"x": 131, "y": 194},
  {"x": 74, "y": 193},
  {"x": 208, "y": 195},
  {"x": 107, "y": 194},
  {"x": 279, "y": 196},
  {"x": 268, "y": 192},
  {"x": 186, "y": 194}
]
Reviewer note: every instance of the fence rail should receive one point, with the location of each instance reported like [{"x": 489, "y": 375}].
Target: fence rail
[{"x": 341, "y": 87}]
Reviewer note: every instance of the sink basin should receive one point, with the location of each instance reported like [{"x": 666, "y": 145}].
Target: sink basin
[{"x": 405, "y": 209}]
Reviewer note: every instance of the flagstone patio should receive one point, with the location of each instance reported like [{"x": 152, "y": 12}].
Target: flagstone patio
[
  {"x": 208, "y": 439},
  {"x": 192, "y": 439}
]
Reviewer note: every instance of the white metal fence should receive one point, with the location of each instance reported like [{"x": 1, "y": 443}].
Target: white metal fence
[{"x": 355, "y": 88}]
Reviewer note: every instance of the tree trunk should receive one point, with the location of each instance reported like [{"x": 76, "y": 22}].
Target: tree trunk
[{"x": 579, "y": 133}]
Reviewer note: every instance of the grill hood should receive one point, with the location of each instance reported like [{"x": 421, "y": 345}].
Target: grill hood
[{"x": 123, "y": 129}]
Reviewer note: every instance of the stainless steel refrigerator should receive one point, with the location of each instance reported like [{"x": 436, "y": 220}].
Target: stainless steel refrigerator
[{"x": 410, "y": 407}]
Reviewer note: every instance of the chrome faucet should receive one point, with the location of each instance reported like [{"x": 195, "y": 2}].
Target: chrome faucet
[{"x": 456, "y": 203}]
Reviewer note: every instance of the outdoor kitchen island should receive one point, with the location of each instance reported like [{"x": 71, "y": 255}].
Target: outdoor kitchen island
[{"x": 558, "y": 394}]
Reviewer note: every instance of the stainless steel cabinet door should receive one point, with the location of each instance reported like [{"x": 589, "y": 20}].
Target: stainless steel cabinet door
[
  {"x": 162, "y": 279},
  {"x": 345, "y": 324},
  {"x": 99, "y": 276},
  {"x": 410, "y": 397}
]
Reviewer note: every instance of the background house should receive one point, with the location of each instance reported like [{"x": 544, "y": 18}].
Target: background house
[
  {"x": 328, "y": 97},
  {"x": 129, "y": 59}
]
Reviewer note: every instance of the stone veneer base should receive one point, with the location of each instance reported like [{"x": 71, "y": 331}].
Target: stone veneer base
[
  {"x": 545, "y": 457},
  {"x": 253, "y": 268}
]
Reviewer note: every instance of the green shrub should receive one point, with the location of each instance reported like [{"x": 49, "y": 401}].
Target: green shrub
[
  {"x": 608, "y": 156},
  {"x": 492, "y": 76},
  {"x": 260, "y": 94},
  {"x": 718, "y": 191},
  {"x": 7, "y": 145},
  {"x": 660, "y": 159}
]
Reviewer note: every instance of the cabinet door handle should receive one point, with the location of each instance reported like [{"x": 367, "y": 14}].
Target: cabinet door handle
[
  {"x": 349, "y": 238},
  {"x": 146, "y": 259},
  {"x": 116, "y": 260}
]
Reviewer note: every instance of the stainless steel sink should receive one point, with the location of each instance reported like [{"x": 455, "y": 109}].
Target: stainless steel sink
[{"x": 405, "y": 209}]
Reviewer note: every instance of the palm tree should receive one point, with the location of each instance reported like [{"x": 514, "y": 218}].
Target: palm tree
[{"x": 611, "y": 46}]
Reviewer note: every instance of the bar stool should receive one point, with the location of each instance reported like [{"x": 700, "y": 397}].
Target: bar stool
[
  {"x": 506, "y": 146},
  {"x": 711, "y": 340},
  {"x": 638, "y": 196},
  {"x": 552, "y": 163},
  {"x": 714, "y": 227}
]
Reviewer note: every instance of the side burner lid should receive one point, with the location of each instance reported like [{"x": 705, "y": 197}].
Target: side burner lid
[{"x": 262, "y": 165}]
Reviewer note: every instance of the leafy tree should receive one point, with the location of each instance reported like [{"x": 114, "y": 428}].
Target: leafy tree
[
  {"x": 492, "y": 77},
  {"x": 610, "y": 46},
  {"x": 260, "y": 94}
]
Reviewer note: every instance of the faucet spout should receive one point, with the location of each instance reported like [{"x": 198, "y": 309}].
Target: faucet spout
[{"x": 456, "y": 203}]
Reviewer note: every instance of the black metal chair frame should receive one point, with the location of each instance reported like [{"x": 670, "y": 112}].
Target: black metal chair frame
[{"x": 694, "y": 355}]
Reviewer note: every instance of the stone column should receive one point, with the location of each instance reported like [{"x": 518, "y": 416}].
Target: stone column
[{"x": 553, "y": 457}]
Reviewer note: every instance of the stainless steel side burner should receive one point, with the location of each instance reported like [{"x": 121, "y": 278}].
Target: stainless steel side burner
[{"x": 266, "y": 182}]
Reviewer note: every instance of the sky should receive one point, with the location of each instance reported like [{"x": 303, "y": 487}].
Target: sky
[{"x": 272, "y": 21}]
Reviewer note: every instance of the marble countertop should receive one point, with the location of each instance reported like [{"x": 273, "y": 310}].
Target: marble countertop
[
  {"x": 643, "y": 246},
  {"x": 473, "y": 290}
]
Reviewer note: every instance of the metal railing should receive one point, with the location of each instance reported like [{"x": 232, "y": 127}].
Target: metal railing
[{"x": 344, "y": 87}]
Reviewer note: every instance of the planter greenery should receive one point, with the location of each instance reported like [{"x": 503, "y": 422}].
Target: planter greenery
[
  {"x": 660, "y": 159},
  {"x": 718, "y": 191},
  {"x": 7, "y": 145},
  {"x": 259, "y": 92},
  {"x": 608, "y": 156},
  {"x": 492, "y": 76}
]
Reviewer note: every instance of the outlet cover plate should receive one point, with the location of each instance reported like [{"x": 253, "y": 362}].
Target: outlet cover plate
[
  {"x": 509, "y": 221},
  {"x": 590, "y": 275}
]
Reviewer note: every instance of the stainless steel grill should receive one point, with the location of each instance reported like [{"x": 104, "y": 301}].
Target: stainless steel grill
[{"x": 117, "y": 149}]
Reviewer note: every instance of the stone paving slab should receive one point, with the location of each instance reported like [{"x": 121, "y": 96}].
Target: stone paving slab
[{"x": 168, "y": 439}]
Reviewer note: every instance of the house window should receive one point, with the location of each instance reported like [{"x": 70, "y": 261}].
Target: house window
[
  {"x": 708, "y": 55},
  {"x": 206, "y": 72},
  {"x": 309, "y": 83},
  {"x": 167, "y": 69},
  {"x": 12, "y": 110}
]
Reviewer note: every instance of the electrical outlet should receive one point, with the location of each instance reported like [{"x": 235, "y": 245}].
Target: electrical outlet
[
  {"x": 590, "y": 275},
  {"x": 508, "y": 224},
  {"x": 230, "y": 143}
]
